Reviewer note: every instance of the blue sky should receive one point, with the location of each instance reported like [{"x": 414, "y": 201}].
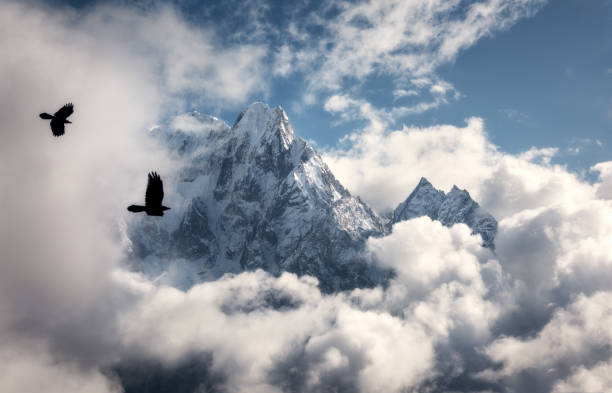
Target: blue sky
[
  {"x": 546, "y": 82},
  {"x": 539, "y": 74}
]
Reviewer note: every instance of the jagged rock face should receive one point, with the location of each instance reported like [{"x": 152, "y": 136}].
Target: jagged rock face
[
  {"x": 455, "y": 207},
  {"x": 256, "y": 196}
]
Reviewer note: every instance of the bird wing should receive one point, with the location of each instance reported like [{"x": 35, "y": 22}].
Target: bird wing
[
  {"x": 155, "y": 191},
  {"x": 57, "y": 127},
  {"x": 64, "y": 111}
]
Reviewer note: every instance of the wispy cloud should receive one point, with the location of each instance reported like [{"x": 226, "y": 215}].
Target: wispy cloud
[
  {"x": 404, "y": 41},
  {"x": 399, "y": 93}
]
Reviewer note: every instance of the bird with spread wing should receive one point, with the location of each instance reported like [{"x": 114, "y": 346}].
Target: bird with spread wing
[
  {"x": 153, "y": 198},
  {"x": 59, "y": 119}
]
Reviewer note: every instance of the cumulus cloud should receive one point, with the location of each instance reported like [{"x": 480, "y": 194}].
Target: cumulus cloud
[
  {"x": 551, "y": 260},
  {"x": 279, "y": 334},
  {"x": 595, "y": 379},
  {"x": 575, "y": 340},
  {"x": 383, "y": 167},
  {"x": 604, "y": 189}
]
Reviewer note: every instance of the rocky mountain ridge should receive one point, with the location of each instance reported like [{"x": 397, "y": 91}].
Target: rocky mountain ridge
[{"x": 256, "y": 196}]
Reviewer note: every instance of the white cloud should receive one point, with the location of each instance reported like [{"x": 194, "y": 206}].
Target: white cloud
[
  {"x": 544, "y": 155},
  {"x": 367, "y": 340},
  {"x": 440, "y": 88},
  {"x": 333, "y": 342},
  {"x": 604, "y": 188},
  {"x": 187, "y": 58},
  {"x": 384, "y": 168},
  {"x": 552, "y": 246},
  {"x": 443, "y": 277},
  {"x": 399, "y": 93},
  {"x": 283, "y": 62},
  {"x": 575, "y": 337},
  {"x": 337, "y": 103},
  {"x": 357, "y": 109}
]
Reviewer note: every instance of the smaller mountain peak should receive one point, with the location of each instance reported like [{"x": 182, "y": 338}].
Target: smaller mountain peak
[{"x": 454, "y": 207}]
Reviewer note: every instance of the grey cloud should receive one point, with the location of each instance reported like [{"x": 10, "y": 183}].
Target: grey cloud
[{"x": 58, "y": 243}]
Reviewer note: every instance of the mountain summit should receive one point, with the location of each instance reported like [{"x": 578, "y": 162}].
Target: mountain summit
[{"x": 256, "y": 196}]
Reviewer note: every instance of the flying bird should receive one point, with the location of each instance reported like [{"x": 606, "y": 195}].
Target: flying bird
[
  {"x": 59, "y": 119},
  {"x": 153, "y": 198}
]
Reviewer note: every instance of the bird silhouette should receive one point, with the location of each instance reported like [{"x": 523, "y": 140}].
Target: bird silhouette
[
  {"x": 59, "y": 119},
  {"x": 153, "y": 198}
]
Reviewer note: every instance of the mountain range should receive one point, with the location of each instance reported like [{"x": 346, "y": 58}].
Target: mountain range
[{"x": 254, "y": 195}]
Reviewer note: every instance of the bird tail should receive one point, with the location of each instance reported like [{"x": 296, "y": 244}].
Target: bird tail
[
  {"x": 136, "y": 208},
  {"x": 45, "y": 116}
]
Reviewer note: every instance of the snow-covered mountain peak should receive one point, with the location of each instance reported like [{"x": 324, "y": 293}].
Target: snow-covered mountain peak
[
  {"x": 260, "y": 122},
  {"x": 255, "y": 196}
]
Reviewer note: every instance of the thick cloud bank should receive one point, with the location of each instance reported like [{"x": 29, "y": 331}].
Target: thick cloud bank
[
  {"x": 553, "y": 254},
  {"x": 533, "y": 316}
]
